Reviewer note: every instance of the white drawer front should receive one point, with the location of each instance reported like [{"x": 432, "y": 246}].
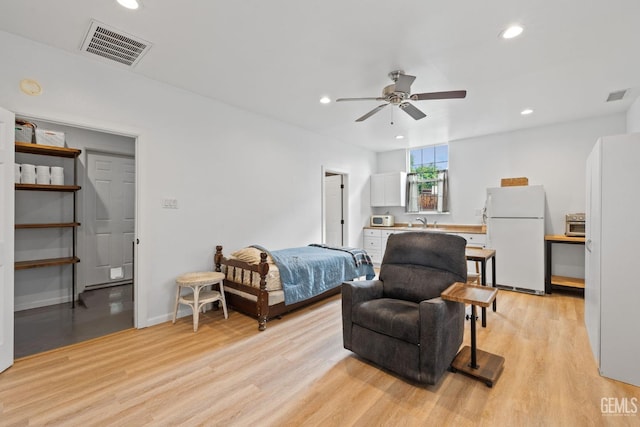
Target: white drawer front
[
  {"x": 368, "y": 232},
  {"x": 376, "y": 257},
  {"x": 387, "y": 233},
  {"x": 371, "y": 243},
  {"x": 474, "y": 239}
]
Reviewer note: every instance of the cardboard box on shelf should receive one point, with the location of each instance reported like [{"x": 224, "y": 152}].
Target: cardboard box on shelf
[{"x": 513, "y": 182}]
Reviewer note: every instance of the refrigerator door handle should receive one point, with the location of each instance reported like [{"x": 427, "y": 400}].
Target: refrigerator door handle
[{"x": 588, "y": 245}]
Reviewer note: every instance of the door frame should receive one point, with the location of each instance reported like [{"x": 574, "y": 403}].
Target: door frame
[
  {"x": 140, "y": 272},
  {"x": 7, "y": 195},
  {"x": 345, "y": 203}
]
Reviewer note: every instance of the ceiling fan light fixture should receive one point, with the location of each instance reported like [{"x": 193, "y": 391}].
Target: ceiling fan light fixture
[
  {"x": 325, "y": 100},
  {"x": 526, "y": 111},
  {"x": 129, "y": 4},
  {"x": 399, "y": 94},
  {"x": 512, "y": 32}
]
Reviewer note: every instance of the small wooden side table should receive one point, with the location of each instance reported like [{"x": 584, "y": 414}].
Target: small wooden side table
[
  {"x": 480, "y": 364},
  {"x": 482, "y": 255}
]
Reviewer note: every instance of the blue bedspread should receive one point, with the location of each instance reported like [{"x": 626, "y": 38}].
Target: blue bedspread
[
  {"x": 360, "y": 256},
  {"x": 309, "y": 271}
]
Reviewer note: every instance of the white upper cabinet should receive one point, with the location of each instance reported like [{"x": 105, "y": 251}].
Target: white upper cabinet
[{"x": 389, "y": 189}]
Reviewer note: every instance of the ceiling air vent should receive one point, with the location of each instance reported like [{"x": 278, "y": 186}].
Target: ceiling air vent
[
  {"x": 616, "y": 96},
  {"x": 114, "y": 45}
]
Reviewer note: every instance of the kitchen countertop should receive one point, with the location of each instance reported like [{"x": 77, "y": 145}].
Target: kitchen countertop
[{"x": 442, "y": 228}]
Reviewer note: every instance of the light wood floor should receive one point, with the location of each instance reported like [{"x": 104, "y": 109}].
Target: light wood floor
[{"x": 297, "y": 373}]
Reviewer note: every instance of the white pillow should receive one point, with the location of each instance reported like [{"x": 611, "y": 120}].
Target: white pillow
[{"x": 250, "y": 255}]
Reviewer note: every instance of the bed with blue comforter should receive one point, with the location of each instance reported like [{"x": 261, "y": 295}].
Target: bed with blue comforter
[{"x": 268, "y": 283}]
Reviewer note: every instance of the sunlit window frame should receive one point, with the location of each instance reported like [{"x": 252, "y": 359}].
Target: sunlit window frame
[{"x": 437, "y": 194}]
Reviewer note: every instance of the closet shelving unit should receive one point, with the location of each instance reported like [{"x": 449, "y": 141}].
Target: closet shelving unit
[{"x": 64, "y": 152}]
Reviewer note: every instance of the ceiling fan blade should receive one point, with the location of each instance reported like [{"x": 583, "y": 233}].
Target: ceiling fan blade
[
  {"x": 439, "y": 95},
  {"x": 403, "y": 84},
  {"x": 371, "y": 113},
  {"x": 359, "y": 99},
  {"x": 411, "y": 110}
]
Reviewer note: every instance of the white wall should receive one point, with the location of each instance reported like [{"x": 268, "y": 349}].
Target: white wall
[
  {"x": 239, "y": 178},
  {"x": 392, "y": 161},
  {"x": 633, "y": 117},
  {"x": 553, "y": 156}
]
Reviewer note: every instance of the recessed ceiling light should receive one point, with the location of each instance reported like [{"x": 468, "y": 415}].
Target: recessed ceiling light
[
  {"x": 129, "y": 4},
  {"x": 526, "y": 111},
  {"x": 325, "y": 100},
  {"x": 511, "y": 32},
  {"x": 399, "y": 136}
]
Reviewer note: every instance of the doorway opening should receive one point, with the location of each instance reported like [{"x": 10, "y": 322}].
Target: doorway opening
[
  {"x": 48, "y": 311},
  {"x": 334, "y": 226}
]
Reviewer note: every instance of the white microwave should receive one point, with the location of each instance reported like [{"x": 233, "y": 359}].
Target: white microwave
[{"x": 382, "y": 221}]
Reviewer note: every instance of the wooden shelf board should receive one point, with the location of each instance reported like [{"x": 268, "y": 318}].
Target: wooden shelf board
[
  {"x": 50, "y": 262},
  {"x": 561, "y": 238},
  {"x": 571, "y": 282},
  {"x": 49, "y": 225},
  {"x": 48, "y": 150},
  {"x": 470, "y": 294},
  {"x": 41, "y": 187}
]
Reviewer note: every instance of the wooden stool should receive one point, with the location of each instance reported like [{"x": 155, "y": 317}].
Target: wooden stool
[
  {"x": 474, "y": 278},
  {"x": 199, "y": 296}
]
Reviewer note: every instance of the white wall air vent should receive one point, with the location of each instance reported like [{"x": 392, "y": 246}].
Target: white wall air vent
[
  {"x": 616, "y": 96},
  {"x": 114, "y": 45}
]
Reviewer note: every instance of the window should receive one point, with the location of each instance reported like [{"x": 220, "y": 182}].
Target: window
[{"x": 427, "y": 180}]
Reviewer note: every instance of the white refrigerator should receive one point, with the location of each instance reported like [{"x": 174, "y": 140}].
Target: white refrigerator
[
  {"x": 612, "y": 293},
  {"x": 515, "y": 229}
]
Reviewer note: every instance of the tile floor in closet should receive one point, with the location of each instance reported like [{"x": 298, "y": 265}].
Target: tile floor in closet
[{"x": 101, "y": 312}]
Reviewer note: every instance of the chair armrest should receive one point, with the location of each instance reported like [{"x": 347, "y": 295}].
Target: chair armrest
[
  {"x": 441, "y": 333},
  {"x": 359, "y": 291},
  {"x": 354, "y": 293}
]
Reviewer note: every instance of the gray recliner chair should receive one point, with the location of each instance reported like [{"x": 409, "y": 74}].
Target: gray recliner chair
[{"x": 400, "y": 322}]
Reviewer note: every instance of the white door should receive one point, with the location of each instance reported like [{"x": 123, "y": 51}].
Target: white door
[
  {"x": 616, "y": 246},
  {"x": 592, "y": 297},
  {"x": 334, "y": 220},
  {"x": 7, "y": 156},
  {"x": 519, "y": 246},
  {"x": 516, "y": 202},
  {"x": 376, "y": 188},
  {"x": 109, "y": 219}
]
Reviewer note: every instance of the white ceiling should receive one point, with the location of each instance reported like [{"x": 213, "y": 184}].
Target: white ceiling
[{"x": 278, "y": 57}]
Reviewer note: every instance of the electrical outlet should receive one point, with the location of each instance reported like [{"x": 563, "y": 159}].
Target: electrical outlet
[{"x": 170, "y": 203}]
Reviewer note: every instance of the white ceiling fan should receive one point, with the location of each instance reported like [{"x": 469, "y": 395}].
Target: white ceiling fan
[{"x": 399, "y": 93}]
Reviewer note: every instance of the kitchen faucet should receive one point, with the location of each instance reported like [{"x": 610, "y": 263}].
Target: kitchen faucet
[{"x": 423, "y": 220}]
